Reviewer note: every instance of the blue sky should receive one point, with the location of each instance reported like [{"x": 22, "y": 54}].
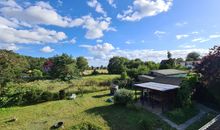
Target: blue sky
[{"x": 101, "y": 29}]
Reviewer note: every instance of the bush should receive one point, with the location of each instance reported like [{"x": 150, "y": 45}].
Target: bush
[
  {"x": 124, "y": 75},
  {"x": 123, "y": 97},
  {"x": 95, "y": 72},
  {"x": 181, "y": 115},
  {"x": 12, "y": 96},
  {"x": 145, "y": 125},
  {"x": 86, "y": 126}
]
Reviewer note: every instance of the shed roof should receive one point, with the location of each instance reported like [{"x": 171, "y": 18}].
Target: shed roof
[
  {"x": 167, "y": 72},
  {"x": 157, "y": 86}
]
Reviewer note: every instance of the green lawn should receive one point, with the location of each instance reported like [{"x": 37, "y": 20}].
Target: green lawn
[
  {"x": 89, "y": 108},
  {"x": 181, "y": 115},
  {"x": 88, "y": 83},
  {"x": 203, "y": 120}
]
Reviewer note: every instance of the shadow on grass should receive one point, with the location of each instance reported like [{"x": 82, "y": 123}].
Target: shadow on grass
[
  {"x": 123, "y": 118},
  {"x": 101, "y": 96}
]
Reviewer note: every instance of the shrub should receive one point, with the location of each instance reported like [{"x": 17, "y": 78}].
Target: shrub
[
  {"x": 95, "y": 72},
  {"x": 145, "y": 125},
  {"x": 123, "y": 97},
  {"x": 124, "y": 75},
  {"x": 13, "y": 96},
  {"x": 86, "y": 126},
  {"x": 62, "y": 94}
]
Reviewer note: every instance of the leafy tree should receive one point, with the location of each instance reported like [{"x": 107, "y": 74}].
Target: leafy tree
[
  {"x": 117, "y": 65},
  {"x": 168, "y": 64},
  {"x": 186, "y": 90},
  {"x": 193, "y": 56},
  {"x": 37, "y": 73},
  {"x": 12, "y": 67},
  {"x": 82, "y": 63},
  {"x": 64, "y": 67},
  {"x": 169, "y": 55},
  {"x": 178, "y": 60},
  {"x": 152, "y": 65}
]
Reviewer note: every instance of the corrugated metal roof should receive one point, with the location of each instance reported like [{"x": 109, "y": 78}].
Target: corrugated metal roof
[
  {"x": 169, "y": 72},
  {"x": 157, "y": 86}
]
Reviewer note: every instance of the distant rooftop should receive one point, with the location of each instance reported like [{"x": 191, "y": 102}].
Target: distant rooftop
[{"x": 167, "y": 72}]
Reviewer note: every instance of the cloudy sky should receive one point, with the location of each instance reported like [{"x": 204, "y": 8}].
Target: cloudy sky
[{"x": 101, "y": 29}]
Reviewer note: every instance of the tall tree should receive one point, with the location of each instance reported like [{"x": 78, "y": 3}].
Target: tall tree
[
  {"x": 169, "y": 55},
  {"x": 63, "y": 67},
  {"x": 193, "y": 56},
  {"x": 117, "y": 65},
  {"x": 82, "y": 63}
]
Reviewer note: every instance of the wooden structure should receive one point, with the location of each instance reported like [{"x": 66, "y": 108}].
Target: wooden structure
[{"x": 156, "y": 92}]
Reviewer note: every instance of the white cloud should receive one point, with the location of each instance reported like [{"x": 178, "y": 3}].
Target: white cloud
[
  {"x": 96, "y": 27},
  {"x": 187, "y": 46},
  {"x": 101, "y": 56},
  {"x": 47, "y": 49},
  {"x": 181, "y": 24},
  {"x": 99, "y": 50},
  {"x": 73, "y": 41},
  {"x": 182, "y": 36},
  {"x": 33, "y": 14},
  {"x": 214, "y": 36},
  {"x": 145, "y": 8},
  {"x": 99, "y": 41},
  {"x": 201, "y": 40},
  {"x": 129, "y": 42},
  {"x": 98, "y": 7},
  {"x": 37, "y": 35},
  {"x": 111, "y": 2},
  {"x": 11, "y": 46},
  {"x": 159, "y": 33}
]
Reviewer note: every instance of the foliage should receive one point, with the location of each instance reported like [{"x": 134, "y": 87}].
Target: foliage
[
  {"x": 145, "y": 125},
  {"x": 193, "y": 56},
  {"x": 169, "y": 55},
  {"x": 95, "y": 72},
  {"x": 124, "y": 75},
  {"x": 82, "y": 63},
  {"x": 186, "y": 90},
  {"x": 22, "y": 96},
  {"x": 12, "y": 67},
  {"x": 181, "y": 115},
  {"x": 168, "y": 64},
  {"x": 123, "y": 97},
  {"x": 134, "y": 72},
  {"x": 179, "y": 60},
  {"x": 209, "y": 70},
  {"x": 117, "y": 65},
  {"x": 36, "y": 73},
  {"x": 64, "y": 67},
  {"x": 86, "y": 126}
]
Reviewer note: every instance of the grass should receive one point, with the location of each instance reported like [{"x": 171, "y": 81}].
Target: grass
[
  {"x": 181, "y": 115},
  {"x": 89, "y": 108},
  {"x": 101, "y": 71},
  {"x": 202, "y": 121},
  {"x": 88, "y": 83}
]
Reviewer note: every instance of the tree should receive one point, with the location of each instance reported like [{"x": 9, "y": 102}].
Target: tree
[
  {"x": 209, "y": 69},
  {"x": 82, "y": 63},
  {"x": 63, "y": 67},
  {"x": 193, "y": 56},
  {"x": 179, "y": 60},
  {"x": 117, "y": 65},
  {"x": 168, "y": 64},
  {"x": 169, "y": 55}
]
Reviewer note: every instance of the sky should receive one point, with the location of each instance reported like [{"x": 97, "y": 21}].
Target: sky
[{"x": 101, "y": 29}]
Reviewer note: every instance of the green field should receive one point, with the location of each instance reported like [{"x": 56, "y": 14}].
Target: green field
[{"x": 89, "y": 108}]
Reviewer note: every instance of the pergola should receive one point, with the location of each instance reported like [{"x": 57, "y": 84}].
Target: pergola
[{"x": 159, "y": 92}]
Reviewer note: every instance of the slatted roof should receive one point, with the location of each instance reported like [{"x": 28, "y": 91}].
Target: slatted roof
[{"x": 157, "y": 86}]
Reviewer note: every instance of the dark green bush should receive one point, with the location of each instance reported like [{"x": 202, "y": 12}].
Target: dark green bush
[
  {"x": 13, "y": 96},
  {"x": 86, "y": 126},
  {"x": 145, "y": 125},
  {"x": 95, "y": 72},
  {"x": 123, "y": 97}
]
